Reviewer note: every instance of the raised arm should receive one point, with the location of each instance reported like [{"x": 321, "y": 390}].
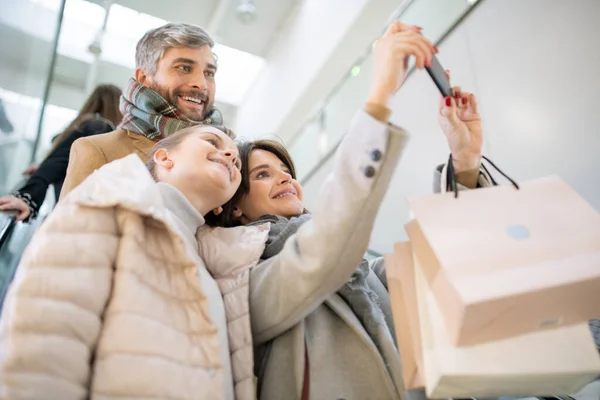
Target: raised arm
[
  {"x": 321, "y": 256},
  {"x": 461, "y": 123}
]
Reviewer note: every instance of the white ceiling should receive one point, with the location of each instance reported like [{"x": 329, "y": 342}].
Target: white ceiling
[
  {"x": 254, "y": 37},
  {"x": 28, "y": 51},
  {"x": 192, "y": 11}
]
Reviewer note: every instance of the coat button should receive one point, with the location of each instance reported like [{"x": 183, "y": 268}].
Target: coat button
[
  {"x": 376, "y": 155},
  {"x": 211, "y": 372},
  {"x": 369, "y": 171}
]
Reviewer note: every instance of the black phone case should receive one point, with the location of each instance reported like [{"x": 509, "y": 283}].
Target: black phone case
[{"x": 439, "y": 77}]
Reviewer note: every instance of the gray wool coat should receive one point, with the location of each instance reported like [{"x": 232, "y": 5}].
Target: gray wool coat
[
  {"x": 292, "y": 295},
  {"x": 294, "y": 302}
]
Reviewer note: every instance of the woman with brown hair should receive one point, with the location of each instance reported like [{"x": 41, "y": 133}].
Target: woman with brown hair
[
  {"x": 99, "y": 114},
  {"x": 320, "y": 313}
]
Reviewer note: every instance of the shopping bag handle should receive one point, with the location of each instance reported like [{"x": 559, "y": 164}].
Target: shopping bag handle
[{"x": 451, "y": 175}]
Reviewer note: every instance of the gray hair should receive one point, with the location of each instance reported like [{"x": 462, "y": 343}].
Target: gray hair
[{"x": 152, "y": 46}]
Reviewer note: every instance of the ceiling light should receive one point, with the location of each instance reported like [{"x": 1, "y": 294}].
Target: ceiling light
[
  {"x": 246, "y": 11},
  {"x": 237, "y": 71}
]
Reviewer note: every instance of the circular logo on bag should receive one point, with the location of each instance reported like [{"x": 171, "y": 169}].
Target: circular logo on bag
[{"x": 518, "y": 232}]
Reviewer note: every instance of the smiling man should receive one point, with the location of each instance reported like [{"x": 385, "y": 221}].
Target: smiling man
[{"x": 173, "y": 88}]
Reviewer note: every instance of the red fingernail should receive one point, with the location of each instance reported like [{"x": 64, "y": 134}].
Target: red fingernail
[
  {"x": 418, "y": 28},
  {"x": 448, "y": 101},
  {"x": 435, "y": 50},
  {"x": 464, "y": 100}
]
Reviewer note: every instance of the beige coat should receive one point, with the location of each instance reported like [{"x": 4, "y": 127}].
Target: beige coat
[
  {"x": 231, "y": 269},
  {"x": 106, "y": 304},
  {"x": 90, "y": 153},
  {"x": 293, "y": 295}
]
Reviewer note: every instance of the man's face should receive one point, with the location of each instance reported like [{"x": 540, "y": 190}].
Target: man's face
[{"x": 185, "y": 77}]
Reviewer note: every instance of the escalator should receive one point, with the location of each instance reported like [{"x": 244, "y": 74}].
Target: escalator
[
  {"x": 14, "y": 238},
  {"x": 7, "y": 225}
]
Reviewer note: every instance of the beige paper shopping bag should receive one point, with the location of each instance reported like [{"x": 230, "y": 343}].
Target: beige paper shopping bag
[
  {"x": 551, "y": 362},
  {"x": 403, "y": 298},
  {"x": 504, "y": 262}
]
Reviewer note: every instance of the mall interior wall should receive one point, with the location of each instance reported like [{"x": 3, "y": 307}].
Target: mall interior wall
[
  {"x": 534, "y": 68},
  {"x": 316, "y": 48}
]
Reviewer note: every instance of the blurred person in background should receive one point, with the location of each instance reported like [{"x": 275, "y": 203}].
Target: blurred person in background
[
  {"x": 99, "y": 114},
  {"x": 173, "y": 88},
  {"x": 34, "y": 167}
]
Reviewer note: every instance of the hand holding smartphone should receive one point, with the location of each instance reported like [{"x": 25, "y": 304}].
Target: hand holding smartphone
[
  {"x": 391, "y": 53},
  {"x": 439, "y": 77}
]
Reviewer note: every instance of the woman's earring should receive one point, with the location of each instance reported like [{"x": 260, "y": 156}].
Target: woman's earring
[
  {"x": 169, "y": 164},
  {"x": 237, "y": 212},
  {"x": 218, "y": 210}
]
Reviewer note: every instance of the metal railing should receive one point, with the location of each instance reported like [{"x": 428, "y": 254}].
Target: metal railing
[
  {"x": 14, "y": 238},
  {"x": 7, "y": 223}
]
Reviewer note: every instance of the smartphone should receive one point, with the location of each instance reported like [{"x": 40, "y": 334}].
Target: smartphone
[{"x": 439, "y": 77}]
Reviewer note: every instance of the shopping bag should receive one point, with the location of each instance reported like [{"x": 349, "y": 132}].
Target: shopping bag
[
  {"x": 503, "y": 262},
  {"x": 545, "y": 363},
  {"x": 403, "y": 298}
]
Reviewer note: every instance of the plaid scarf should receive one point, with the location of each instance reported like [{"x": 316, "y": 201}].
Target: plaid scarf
[{"x": 147, "y": 113}]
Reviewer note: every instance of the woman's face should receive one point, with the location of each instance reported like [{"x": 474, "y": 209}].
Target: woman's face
[
  {"x": 272, "y": 189},
  {"x": 204, "y": 165}
]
